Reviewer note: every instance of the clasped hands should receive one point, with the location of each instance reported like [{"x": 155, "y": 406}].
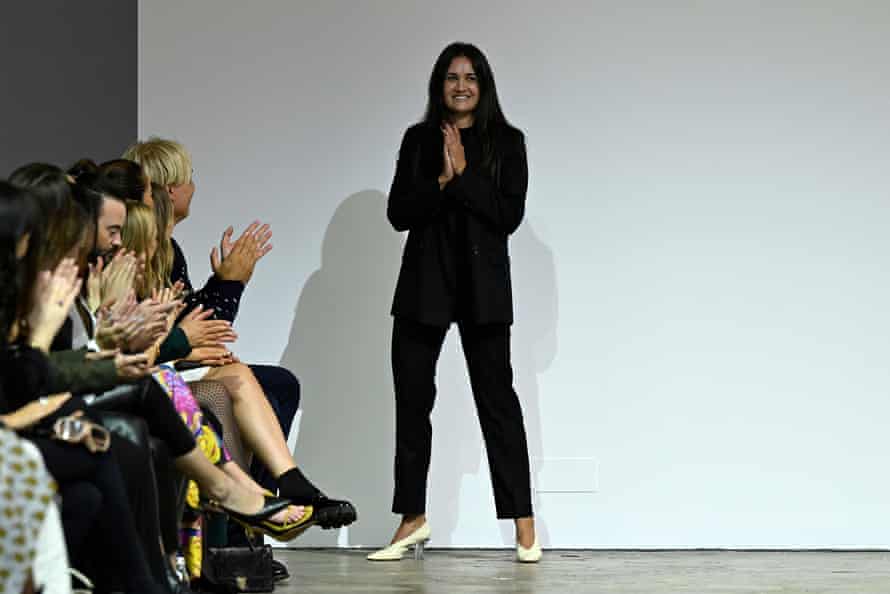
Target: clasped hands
[{"x": 454, "y": 158}]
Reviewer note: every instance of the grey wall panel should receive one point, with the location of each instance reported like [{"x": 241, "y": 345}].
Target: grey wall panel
[{"x": 69, "y": 81}]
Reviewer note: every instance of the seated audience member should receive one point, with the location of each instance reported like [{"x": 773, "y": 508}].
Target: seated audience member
[
  {"x": 31, "y": 312},
  {"x": 168, "y": 164},
  {"x": 164, "y": 422},
  {"x": 255, "y": 419}
]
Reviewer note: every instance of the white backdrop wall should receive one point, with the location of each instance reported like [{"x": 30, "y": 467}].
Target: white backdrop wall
[{"x": 701, "y": 279}]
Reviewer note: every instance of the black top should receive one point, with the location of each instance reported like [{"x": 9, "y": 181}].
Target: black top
[
  {"x": 223, "y": 296},
  {"x": 455, "y": 266},
  {"x": 23, "y": 374}
]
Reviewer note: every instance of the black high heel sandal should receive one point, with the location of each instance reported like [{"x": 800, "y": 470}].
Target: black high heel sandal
[
  {"x": 328, "y": 513},
  {"x": 257, "y": 521},
  {"x": 287, "y": 531}
]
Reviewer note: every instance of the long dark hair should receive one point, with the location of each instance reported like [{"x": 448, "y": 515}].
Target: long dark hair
[
  {"x": 488, "y": 117},
  {"x": 63, "y": 221},
  {"x": 17, "y": 217}
]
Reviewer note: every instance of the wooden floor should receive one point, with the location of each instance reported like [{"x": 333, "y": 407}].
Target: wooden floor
[{"x": 562, "y": 572}]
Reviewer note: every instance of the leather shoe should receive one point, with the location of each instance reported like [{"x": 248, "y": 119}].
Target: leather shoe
[{"x": 279, "y": 571}]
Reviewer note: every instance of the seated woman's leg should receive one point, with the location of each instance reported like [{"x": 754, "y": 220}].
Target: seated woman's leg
[
  {"x": 282, "y": 390},
  {"x": 260, "y": 430},
  {"x": 147, "y": 492},
  {"x": 213, "y": 396},
  {"x": 208, "y": 437},
  {"x": 256, "y": 420},
  {"x": 81, "y": 502},
  {"x": 153, "y": 404}
]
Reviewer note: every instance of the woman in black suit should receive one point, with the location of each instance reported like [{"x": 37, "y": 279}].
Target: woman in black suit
[{"x": 459, "y": 191}]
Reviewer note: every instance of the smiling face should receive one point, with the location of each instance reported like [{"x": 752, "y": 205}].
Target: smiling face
[{"x": 461, "y": 88}]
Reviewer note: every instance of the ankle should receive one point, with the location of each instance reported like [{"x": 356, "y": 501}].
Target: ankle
[
  {"x": 525, "y": 532},
  {"x": 294, "y": 484},
  {"x": 221, "y": 489},
  {"x": 410, "y": 523}
]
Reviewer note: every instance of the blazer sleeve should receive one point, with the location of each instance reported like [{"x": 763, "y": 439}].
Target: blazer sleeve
[
  {"x": 414, "y": 198},
  {"x": 502, "y": 204},
  {"x": 224, "y": 296},
  {"x": 175, "y": 346},
  {"x": 71, "y": 372}
]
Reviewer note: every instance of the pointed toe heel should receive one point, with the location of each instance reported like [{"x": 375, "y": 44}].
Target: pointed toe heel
[
  {"x": 532, "y": 554},
  {"x": 396, "y": 551}
]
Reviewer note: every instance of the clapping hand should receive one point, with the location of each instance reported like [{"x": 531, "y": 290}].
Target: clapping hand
[
  {"x": 117, "y": 278},
  {"x": 202, "y": 331},
  {"x": 54, "y": 293},
  {"x": 237, "y": 260}
]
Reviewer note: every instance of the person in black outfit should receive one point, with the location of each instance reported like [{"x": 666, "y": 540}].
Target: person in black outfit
[{"x": 459, "y": 191}]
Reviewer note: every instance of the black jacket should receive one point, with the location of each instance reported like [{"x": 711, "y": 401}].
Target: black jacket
[{"x": 456, "y": 266}]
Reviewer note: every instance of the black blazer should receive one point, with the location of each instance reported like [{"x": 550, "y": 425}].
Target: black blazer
[{"x": 455, "y": 266}]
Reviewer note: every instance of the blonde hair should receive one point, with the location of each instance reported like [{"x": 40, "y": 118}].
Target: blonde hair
[
  {"x": 164, "y": 217},
  {"x": 165, "y": 162},
  {"x": 139, "y": 227}
]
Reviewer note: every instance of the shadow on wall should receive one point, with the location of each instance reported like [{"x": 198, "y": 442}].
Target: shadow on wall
[{"x": 339, "y": 348}]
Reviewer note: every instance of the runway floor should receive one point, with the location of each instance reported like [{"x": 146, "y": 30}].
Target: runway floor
[{"x": 471, "y": 571}]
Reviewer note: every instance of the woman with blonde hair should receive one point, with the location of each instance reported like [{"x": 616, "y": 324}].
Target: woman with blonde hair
[
  {"x": 261, "y": 395},
  {"x": 140, "y": 235}
]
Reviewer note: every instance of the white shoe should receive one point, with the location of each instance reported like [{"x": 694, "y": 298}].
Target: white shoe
[
  {"x": 397, "y": 550},
  {"x": 530, "y": 555}
]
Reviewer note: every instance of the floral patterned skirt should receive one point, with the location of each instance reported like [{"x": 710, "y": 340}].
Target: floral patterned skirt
[{"x": 209, "y": 442}]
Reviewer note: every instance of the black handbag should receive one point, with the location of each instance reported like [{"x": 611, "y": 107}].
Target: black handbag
[{"x": 237, "y": 569}]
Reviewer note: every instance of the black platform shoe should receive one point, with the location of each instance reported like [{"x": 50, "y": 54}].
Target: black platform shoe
[
  {"x": 328, "y": 513},
  {"x": 279, "y": 571}
]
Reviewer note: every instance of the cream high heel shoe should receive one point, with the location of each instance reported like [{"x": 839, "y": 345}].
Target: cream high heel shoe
[
  {"x": 529, "y": 555},
  {"x": 397, "y": 550}
]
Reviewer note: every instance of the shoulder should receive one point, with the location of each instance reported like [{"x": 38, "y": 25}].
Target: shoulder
[
  {"x": 509, "y": 136},
  {"x": 421, "y": 132},
  {"x": 177, "y": 251}
]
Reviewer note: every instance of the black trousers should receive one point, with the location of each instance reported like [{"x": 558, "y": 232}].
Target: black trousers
[
  {"x": 415, "y": 352},
  {"x": 113, "y": 533}
]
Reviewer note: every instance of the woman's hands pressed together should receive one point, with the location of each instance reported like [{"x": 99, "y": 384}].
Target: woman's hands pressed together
[
  {"x": 454, "y": 159},
  {"x": 54, "y": 293},
  {"x": 454, "y": 147}
]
